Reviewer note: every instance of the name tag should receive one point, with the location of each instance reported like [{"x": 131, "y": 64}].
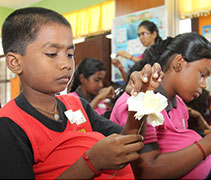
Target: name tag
[{"x": 75, "y": 116}]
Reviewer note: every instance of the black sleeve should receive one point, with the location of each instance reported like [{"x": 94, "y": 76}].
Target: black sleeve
[
  {"x": 16, "y": 155},
  {"x": 99, "y": 123}
]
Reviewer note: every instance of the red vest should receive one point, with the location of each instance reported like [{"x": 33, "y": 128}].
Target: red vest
[{"x": 54, "y": 152}]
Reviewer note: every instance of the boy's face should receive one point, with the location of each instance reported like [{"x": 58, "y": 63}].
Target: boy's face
[{"x": 48, "y": 63}]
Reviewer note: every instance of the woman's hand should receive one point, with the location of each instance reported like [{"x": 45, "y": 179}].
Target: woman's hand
[
  {"x": 146, "y": 79},
  {"x": 115, "y": 151},
  {"x": 118, "y": 64}
]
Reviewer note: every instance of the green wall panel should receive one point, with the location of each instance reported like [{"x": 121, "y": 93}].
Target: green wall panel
[
  {"x": 61, "y": 6},
  {"x": 65, "y": 6},
  {"x": 4, "y": 12}
]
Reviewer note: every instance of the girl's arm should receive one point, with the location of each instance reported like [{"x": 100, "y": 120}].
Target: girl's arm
[
  {"x": 126, "y": 55},
  {"x": 104, "y": 93},
  {"x": 172, "y": 165}
]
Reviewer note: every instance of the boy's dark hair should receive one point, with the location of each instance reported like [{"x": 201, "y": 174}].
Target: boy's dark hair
[
  {"x": 151, "y": 27},
  {"x": 87, "y": 67},
  {"x": 21, "y": 27}
]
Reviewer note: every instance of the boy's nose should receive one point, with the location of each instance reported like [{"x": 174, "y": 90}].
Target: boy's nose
[{"x": 67, "y": 63}]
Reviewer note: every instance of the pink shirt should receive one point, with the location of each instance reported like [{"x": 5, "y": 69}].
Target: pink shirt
[
  {"x": 173, "y": 135},
  {"x": 119, "y": 112},
  {"x": 100, "y": 109},
  {"x": 140, "y": 56}
]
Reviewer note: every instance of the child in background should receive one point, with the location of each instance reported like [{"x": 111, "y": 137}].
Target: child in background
[
  {"x": 44, "y": 136},
  {"x": 88, "y": 84}
]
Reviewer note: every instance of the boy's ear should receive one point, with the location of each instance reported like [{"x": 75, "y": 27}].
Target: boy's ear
[
  {"x": 178, "y": 62},
  {"x": 13, "y": 61}
]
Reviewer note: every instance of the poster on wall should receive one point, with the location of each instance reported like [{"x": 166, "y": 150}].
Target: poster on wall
[
  {"x": 206, "y": 32},
  {"x": 125, "y": 37}
]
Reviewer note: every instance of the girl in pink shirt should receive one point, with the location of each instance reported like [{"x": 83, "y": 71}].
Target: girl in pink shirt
[{"x": 172, "y": 150}]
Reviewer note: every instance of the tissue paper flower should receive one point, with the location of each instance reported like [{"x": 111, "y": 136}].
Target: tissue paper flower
[{"x": 150, "y": 104}]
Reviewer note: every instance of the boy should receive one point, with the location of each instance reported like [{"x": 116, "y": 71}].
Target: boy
[{"x": 44, "y": 136}]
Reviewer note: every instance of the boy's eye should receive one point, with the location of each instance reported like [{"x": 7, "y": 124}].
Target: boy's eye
[
  {"x": 51, "y": 55},
  {"x": 70, "y": 55}
]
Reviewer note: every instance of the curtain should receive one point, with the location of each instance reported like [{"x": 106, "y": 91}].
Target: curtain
[
  {"x": 194, "y": 8},
  {"x": 93, "y": 20},
  {"x": 15, "y": 87}
]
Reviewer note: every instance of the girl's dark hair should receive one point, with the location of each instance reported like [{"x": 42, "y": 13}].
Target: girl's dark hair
[
  {"x": 192, "y": 46},
  {"x": 22, "y": 26},
  {"x": 87, "y": 67},
  {"x": 151, "y": 27}
]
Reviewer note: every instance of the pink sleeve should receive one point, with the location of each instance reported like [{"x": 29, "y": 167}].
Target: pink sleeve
[
  {"x": 119, "y": 113},
  {"x": 140, "y": 56},
  {"x": 150, "y": 134}
]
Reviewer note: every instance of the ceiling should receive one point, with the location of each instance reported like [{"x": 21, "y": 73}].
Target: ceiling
[{"x": 14, "y": 4}]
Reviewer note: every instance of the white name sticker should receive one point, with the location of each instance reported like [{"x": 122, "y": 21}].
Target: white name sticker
[{"x": 75, "y": 116}]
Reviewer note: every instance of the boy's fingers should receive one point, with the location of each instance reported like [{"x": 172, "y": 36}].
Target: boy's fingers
[
  {"x": 134, "y": 147},
  {"x": 131, "y": 138}
]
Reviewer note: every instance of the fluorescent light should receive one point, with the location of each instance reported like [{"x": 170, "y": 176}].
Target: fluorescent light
[
  {"x": 109, "y": 36},
  {"x": 78, "y": 40}
]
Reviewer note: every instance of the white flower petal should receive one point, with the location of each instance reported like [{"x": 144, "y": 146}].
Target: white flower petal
[
  {"x": 155, "y": 119},
  {"x": 150, "y": 104}
]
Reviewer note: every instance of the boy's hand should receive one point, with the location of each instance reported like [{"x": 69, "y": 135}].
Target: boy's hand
[
  {"x": 115, "y": 151},
  {"x": 146, "y": 79}
]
